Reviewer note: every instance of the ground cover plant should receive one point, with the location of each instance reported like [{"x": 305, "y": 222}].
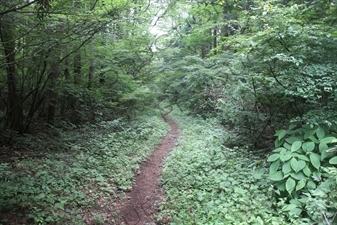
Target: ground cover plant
[
  {"x": 302, "y": 168},
  {"x": 80, "y": 181},
  {"x": 208, "y": 183}
]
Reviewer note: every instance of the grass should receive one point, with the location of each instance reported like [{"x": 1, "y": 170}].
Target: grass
[
  {"x": 207, "y": 183},
  {"x": 76, "y": 178}
]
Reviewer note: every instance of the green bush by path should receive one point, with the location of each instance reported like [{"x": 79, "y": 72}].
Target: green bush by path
[
  {"x": 79, "y": 182},
  {"x": 209, "y": 184}
]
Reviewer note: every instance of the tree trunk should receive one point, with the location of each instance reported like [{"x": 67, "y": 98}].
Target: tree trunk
[
  {"x": 52, "y": 92},
  {"x": 14, "y": 113},
  {"x": 77, "y": 67},
  {"x": 91, "y": 73}
]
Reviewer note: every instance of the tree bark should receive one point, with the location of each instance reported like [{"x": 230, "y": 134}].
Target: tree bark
[
  {"x": 52, "y": 92},
  {"x": 14, "y": 112},
  {"x": 77, "y": 67}
]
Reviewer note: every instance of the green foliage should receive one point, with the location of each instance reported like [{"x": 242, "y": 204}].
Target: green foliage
[
  {"x": 93, "y": 167},
  {"x": 207, "y": 183},
  {"x": 298, "y": 168}
]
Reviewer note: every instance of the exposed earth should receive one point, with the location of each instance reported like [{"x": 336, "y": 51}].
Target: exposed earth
[{"x": 141, "y": 206}]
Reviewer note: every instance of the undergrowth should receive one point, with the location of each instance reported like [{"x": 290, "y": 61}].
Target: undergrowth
[
  {"x": 79, "y": 182},
  {"x": 208, "y": 183}
]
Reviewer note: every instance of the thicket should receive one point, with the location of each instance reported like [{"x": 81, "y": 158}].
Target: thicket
[
  {"x": 257, "y": 65},
  {"x": 267, "y": 71}
]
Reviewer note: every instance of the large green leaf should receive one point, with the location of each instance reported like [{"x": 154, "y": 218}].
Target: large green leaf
[
  {"x": 301, "y": 165},
  {"x": 286, "y": 169},
  {"x": 307, "y": 171},
  {"x": 315, "y": 161},
  {"x": 322, "y": 147},
  {"x": 287, "y": 146},
  {"x": 278, "y": 143},
  {"x": 328, "y": 140},
  {"x": 273, "y": 157},
  {"x": 333, "y": 160},
  {"x": 276, "y": 176},
  {"x": 294, "y": 164},
  {"x": 292, "y": 139},
  {"x": 312, "y": 138},
  {"x": 279, "y": 149},
  {"x": 308, "y": 146},
  {"x": 290, "y": 185},
  {"x": 320, "y": 133},
  {"x": 280, "y": 134},
  {"x": 309, "y": 133},
  {"x": 298, "y": 176},
  {"x": 300, "y": 185},
  {"x": 274, "y": 167},
  {"x": 285, "y": 156},
  {"x": 302, "y": 157},
  {"x": 326, "y": 154},
  {"x": 311, "y": 185},
  {"x": 296, "y": 146}
]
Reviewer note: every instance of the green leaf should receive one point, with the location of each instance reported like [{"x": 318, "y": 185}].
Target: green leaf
[
  {"x": 281, "y": 186},
  {"x": 59, "y": 205},
  {"x": 290, "y": 185},
  {"x": 278, "y": 143},
  {"x": 279, "y": 149},
  {"x": 274, "y": 167},
  {"x": 294, "y": 164},
  {"x": 301, "y": 165},
  {"x": 315, "y": 160},
  {"x": 287, "y": 146},
  {"x": 273, "y": 157},
  {"x": 276, "y": 176},
  {"x": 307, "y": 171},
  {"x": 291, "y": 126},
  {"x": 311, "y": 185},
  {"x": 298, "y": 176},
  {"x": 302, "y": 157},
  {"x": 289, "y": 207},
  {"x": 285, "y": 156},
  {"x": 280, "y": 134},
  {"x": 326, "y": 154},
  {"x": 322, "y": 147},
  {"x": 286, "y": 169},
  {"x": 296, "y": 211},
  {"x": 312, "y": 138},
  {"x": 300, "y": 185},
  {"x": 296, "y": 145},
  {"x": 328, "y": 140},
  {"x": 333, "y": 160},
  {"x": 320, "y": 133},
  {"x": 309, "y": 133},
  {"x": 292, "y": 139},
  {"x": 308, "y": 146}
]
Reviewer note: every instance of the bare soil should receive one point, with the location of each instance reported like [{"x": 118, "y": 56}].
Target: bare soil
[{"x": 141, "y": 206}]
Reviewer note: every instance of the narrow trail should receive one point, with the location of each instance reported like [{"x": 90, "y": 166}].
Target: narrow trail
[{"x": 141, "y": 205}]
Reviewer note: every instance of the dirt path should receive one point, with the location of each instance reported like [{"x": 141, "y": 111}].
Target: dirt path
[{"x": 141, "y": 206}]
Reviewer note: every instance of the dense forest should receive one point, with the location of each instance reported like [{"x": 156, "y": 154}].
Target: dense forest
[{"x": 252, "y": 84}]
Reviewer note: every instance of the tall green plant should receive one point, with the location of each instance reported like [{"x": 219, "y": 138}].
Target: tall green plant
[{"x": 298, "y": 167}]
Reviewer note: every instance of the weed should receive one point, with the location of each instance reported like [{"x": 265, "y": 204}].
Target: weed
[
  {"x": 92, "y": 169},
  {"x": 207, "y": 183}
]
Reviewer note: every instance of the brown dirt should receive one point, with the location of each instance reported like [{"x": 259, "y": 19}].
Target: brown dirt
[{"x": 141, "y": 205}]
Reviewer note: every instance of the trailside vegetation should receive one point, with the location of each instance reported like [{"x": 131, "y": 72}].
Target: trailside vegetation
[
  {"x": 80, "y": 81},
  {"x": 267, "y": 71}
]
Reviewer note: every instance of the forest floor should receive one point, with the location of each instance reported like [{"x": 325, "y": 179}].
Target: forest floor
[{"x": 141, "y": 206}]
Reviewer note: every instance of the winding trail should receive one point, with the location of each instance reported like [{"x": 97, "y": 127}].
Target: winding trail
[{"x": 141, "y": 205}]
